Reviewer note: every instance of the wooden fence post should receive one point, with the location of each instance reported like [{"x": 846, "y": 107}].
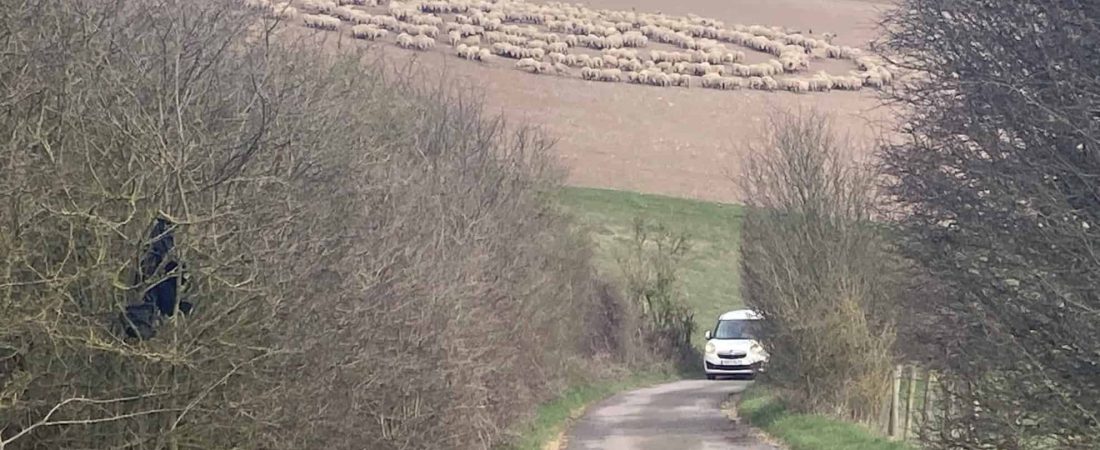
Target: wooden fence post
[
  {"x": 895, "y": 407},
  {"x": 929, "y": 398},
  {"x": 911, "y": 395}
]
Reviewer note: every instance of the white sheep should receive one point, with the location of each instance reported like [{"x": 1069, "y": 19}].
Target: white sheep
[
  {"x": 472, "y": 53},
  {"x": 425, "y": 19},
  {"x": 533, "y": 66},
  {"x": 558, "y": 47},
  {"x": 794, "y": 85},
  {"x": 634, "y": 39},
  {"x": 320, "y": 22},
  {"x": 368, "y": 32},
  {"x": 632, "y": 65},
  {"x": 317, "y": 6},
  {"x": 405, "y": 40}
]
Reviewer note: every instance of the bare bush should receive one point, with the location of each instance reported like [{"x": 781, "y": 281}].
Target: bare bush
[
  {"x": 372, "y": 265},
  {"x": 997, "y": 176},
  {"x": 818, "y": 270},
  {"x": 650, "y": 268}
]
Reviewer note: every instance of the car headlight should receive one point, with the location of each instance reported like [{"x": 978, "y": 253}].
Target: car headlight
[
  {"x": 710, "y": 349},
  {"x": 756, "y": 351}
]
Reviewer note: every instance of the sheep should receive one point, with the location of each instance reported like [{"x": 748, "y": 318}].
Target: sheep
[
  {"x": 610, "y": 61},
  {"x": 423, "y": 42},
  {"x": 405, "y": 40},
  {"x": 848, "y": 83},
  {"x": 673, "y": 57},
  {"x": 387, "y": 22},
  {"x": 609, "y": 75},
  {"x": 317, "y": 6},
  {"x": 344, "y": 13},
  {"x": 472, "y": 53},
  {"x": 820, "y": 83},
  {"x": 558, "y": 47},
  {"x": 632, "y": 65},
  {"x": 493, "y": 37},
  {"x": 425, "y": 19},
  {"x": 555, "y": 57},
  {"x": 872, "y": 80},
  {"x": 537, "y": 44},
  {"x": 444, "y": 7},
  {"x": 530, "y": 65},
  {"x": 622, "y": 53},
  {"x": 715, "y": 81},
  {"x": 470, "y": 30},
  {"x": 517, "y": 52},
  {"x": 680, "y": 80},
  {"x": 472, "y": 40},
  {"x": 368, "y": 32},
  {"x": 710, "y": 80},
  {"x": 400, "y": 12},
  {"x": 258, "y": 4},
  {"x": 425, "y": 30},
  {"x": 634, "y": 39},
  {"x": 491, "y": 24},
  {"x": 885, "y": 74},
  {"x": 453, "y": 37},
  {"x": 572, "y": 40},
  {"x": 794, "y": 85},
  {"x": 320, "y": 22}
]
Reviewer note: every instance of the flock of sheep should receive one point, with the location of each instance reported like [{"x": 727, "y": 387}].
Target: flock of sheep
[{"x": 599, "y": 45}]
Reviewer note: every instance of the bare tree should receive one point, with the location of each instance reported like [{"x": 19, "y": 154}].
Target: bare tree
[
  {"x": 818, "y": 269},
  {"x": 997, "y": 179}
]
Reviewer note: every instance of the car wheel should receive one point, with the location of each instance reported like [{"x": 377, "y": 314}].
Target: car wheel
[{"x": 711, "y": 377}]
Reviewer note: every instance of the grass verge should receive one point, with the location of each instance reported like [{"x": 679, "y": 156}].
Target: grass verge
[
  {"x": 763, "y": 410},
  {"x": 552, "y": 418},
  {"x": 711, "y": 275}
]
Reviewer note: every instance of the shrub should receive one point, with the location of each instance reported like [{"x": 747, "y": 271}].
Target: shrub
[
  {"x": 996, "y": 175},
  {"x": 650, "y": 270},
  {"x": 371, "y": 264},
  {"x": 818, "y": 270}
]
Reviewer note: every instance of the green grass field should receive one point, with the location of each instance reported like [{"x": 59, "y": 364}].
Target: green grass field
[
  {"x": 807, "y": 432},
  {"x": 711, "y": 275}
]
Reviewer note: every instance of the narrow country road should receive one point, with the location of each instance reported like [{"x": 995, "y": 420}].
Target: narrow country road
[{"x": 683, "y": 415}]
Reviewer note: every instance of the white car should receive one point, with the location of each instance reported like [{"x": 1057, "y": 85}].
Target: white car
[{"x": 732, "y": 349}]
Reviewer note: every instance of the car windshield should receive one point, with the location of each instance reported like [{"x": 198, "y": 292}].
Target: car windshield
[{"x": 734, "y": 329}]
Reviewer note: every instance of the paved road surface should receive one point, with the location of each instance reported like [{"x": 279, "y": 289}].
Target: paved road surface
[{"x": 683, "y": 415}]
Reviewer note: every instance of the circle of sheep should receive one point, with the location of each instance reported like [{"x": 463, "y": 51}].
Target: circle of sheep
[{"x": 557, "y": 38}]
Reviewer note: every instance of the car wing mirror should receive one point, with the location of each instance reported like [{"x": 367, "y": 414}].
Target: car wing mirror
[{"x": 707, "y": 335}]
